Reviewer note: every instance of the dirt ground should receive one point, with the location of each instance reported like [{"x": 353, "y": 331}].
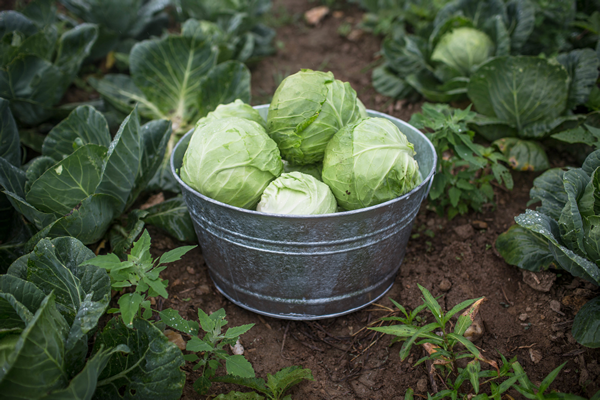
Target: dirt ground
[{"x": 350, "y": 363}]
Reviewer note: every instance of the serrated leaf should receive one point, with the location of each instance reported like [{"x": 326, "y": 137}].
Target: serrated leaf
[
  {"x": 175, "y": 254},
  {"x": 239, "y": 366},
  {"x": 240, "y": 396},
  {"x": 237, "y": 331},
  {"x": 197, "y": 345},
  {"x": 287, "y": 377},
  {"x": 174, "y": 320},
  {"x": 152, "y": 369}
]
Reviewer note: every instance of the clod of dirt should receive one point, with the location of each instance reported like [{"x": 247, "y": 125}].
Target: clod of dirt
[
  {"x": 316, "y": 15},
  {"x": 577, "y": 299},
  {"x": 464, "y": 231},
  {"x": 190, "y": 270},
  {"x": 535, "y": 355},
  {"x": 475, "y": 331},
  {"x": 153, "y": 200},
  {"x": 338, "y": 14},
  {"x": 540, "y": 281},
  {"x": 479, "y": 224},
  {"x": 422, "y": 385},
  {"x": 203, "y": 289},
  {"x": 445, "y": 285},
  {"x": 523, "y": 317},
  {"x": 175, "y": 337},
  {"x": 555, "y": 306}
]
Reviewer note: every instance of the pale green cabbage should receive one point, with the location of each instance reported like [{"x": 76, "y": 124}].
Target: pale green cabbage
[
  {"x": 463, "y": 49},
  {"x": 297, "y": 193},
  {"x": 368, "y": 163},
  {"x": 236, "y": 109},
  {"x": 231, "y": 160},
  {"x": 307, "y": 109}
]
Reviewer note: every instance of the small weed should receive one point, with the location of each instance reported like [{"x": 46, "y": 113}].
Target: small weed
[{"x": 344, "y": 29}]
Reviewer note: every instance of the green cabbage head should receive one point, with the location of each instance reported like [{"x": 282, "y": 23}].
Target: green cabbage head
[
  {"x": 368, "y": 163},
  {"x": 297, "y": 193},
  {"x": 307, "y": 109},
  {"x": 463, "y": 49},
  {"x": 236, "y": 109},
  {"x": 231, "y": 160}
]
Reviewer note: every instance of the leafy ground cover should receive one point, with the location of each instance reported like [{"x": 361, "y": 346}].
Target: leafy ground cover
[{"x": 454, "y": 260}]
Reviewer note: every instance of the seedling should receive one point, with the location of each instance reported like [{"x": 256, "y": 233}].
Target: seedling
[
  {"x": 142, "y": 273},
  {"x": 211, "y": 349}
]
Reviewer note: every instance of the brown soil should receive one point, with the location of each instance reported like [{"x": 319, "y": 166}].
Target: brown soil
[{"x": 348, "y": 363}]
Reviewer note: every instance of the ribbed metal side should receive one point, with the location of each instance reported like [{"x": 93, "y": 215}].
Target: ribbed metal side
[{"x": 307, "y": 267}]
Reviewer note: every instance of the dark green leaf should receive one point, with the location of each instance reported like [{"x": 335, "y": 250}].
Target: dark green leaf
[
  {"x": 525, "y": 249},
  {"x": 591, "y": 163},
  {"x": 252, "y": 383},
  {"x": 84, "y": 123},
  {"x": 224, "y": 84},
  {"x": 586, "y": 327},
  {"x": 122, "y": 237},
  {"x": 454, "y": 194},
  {"x": 286, "y": 378},
  {"x": 10, "y": 148},
  {"x": 69, "y": 182},
  {"x": 582, "y": 66},
  {"x": 73, "y": 47},
  {"x": 173, "y": 217},
  {"x": 120, "y": 91},
  {"x": 151, "y": 371},
  {"x": 41, "y": 344},
  {"x": 550, "y": 378},
  {"x": 36, "y": 168},
  {"x": 576, "y": 135},
  {"x": 548, "y": 188},
  {"x": 386, "y": 82},
  {"x": 175, "y": 254}
]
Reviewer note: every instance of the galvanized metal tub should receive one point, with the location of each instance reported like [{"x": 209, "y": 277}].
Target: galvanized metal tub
[{"x": 307, "y": 267}]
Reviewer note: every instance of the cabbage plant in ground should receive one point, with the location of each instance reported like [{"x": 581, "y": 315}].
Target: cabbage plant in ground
[
  {"x": 37, "y": 63},
  {"x": 121, "y": 23},
  {"x": 235, "y": 26},
  {"x": 522, "y": 100},
  {"x": 176, "y": 78},
  {"x": 52, "y": 307},
  {"x": 465, "y": 33},
  {"x": 465, "y": 169},
  {"x": 564, "y": 232},
  {"x": 84, "y": 180}
]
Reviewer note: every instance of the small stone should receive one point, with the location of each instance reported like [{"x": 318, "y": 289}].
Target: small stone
[
  {"x": 479, "y": 224},
  {"x": 355, "y": 35},
  {"x": 528, "y": 309},
  {"x": 176, "y": 338},
  {"x": 540, "y": 281},
  {"x": 535, "y": 355},
  {"x": 237, "y": 349},
  {"x": 190, "y": 270},
  {"x": 464, "y": 231},
  {"x": 445, "y": 285},
  {"x": 338, "y": 14},
  {"x": 153, "y": 200},
  {"x": 316, "y": 15},
  {"x": 203, "y": 289},
  {"x": 422, "y": 385},
  {"x": 523, "y": 317}
]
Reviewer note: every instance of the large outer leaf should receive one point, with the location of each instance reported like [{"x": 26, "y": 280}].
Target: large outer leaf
[
  {"x": 582, "y": 66},
  {"x": 406, "y": 55},
  {"x": 33, "y": 85},
  {"x": 69, "y": 182},
  {"x": 523, "y": 155},
  {"x": 88, "y": 221},
  {"x": 41, "y": 344},
  {"x": 519, "y": 90},
  {"x": 84, "y": 123},
  {"x": 386, "y": 82},
  {"x": 591, "y": 163},
  {"x": 570, "y": 261},
  {"x": 478, "y": 11},
  {"x": 73, "y": 47},
  {"x": 224, "y": 84},
  {"x": 586, "y": 327},
  {"x": 570, "y": 221},
  {"x": 169, "y": 72},
  {"x": 83, "y": 386},
  {"x": 521, "y": 17},
  {"x": 14, "y": 247},
  {"x": 173, "y": 217},
  {"x": 10, "y": 148},
  {"x": 51, "y": 267},
  {"x": 120, "y": 91},
  {"x": 25, "y": 292},
  {"x": 150, "y": 371},
  {"x": 525, "y": 249},
  {"x": 548, "y": 188},
  {"x": 492, "y": 128}
]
